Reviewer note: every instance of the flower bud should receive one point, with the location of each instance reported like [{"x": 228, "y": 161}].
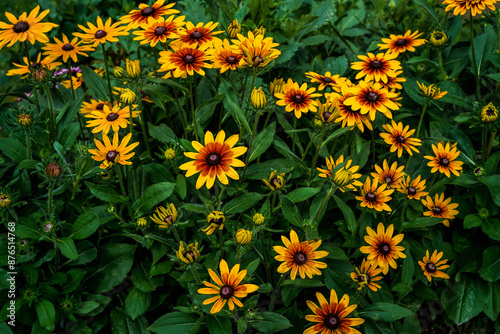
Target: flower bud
[
  {"x": 53, "y": 170},
  {"x": 141, "y": 222},
  {"x": 258, "y": 98},
  {"x": 489, "y": 113},
  {"x": 259, "y": 31},
  {"x": 127, "y": 96},
  {"x": 47, "y": 227},
  {"x": 118, "y": 71},
  {"x": 5, "y": 201},
  {"x": 243, "y": 237},
  {"x": 438, "y": 38},
  {"x": 276, "y": 86},
  {"x": 275, "y": 181},
  {"x": 133, "y": 68},
  {"x": 25, "y": 120},
  {"x": 342, "y": 177},
  {"x": 169, "y": 154},
  {"x": 188, "y": 255},
  {"x": 258, "y": 219},
  {"x": 234, "y": 29}
]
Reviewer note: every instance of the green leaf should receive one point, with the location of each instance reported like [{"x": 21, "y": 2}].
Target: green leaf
[
  {"x": 421, "y": 222},
  {"x": 86, "y": 307},
  {"x": 219, "y": 325},
  {"x": 174, "y": 322},
  {"x": 152, "y": 196},
  {"x": 137, "y": 303},
  {"x": 242, "y": 203},
  {"x": 385, "y": 312},
  {"x": 493, "y": 184},
  {"x": 429, "y": 9},
  {"x": 290, "y": 211},
  {"x": 490, "y": 270},
  {"x": 270, "y": 322},
  {"x": 494, "y": 76},
  {"x": 95, "y": 83},
  {"x": 105, "y": 193},
  {"x": 262, "y": 142},
  {"x": 142, "y": 279},
  {"x": 463, "y": 300},
  {"x": 304, "y": 283},
  {"x": 302, "y": 194},
  {"x": 408, "y": 268},
  {"x": 67, "y": 247},
  {"x": 162, "y": 133},
  {"x": 335, "y": 134},
  {"x": 492, "y": 306},
  {"x": 347, "y": 212},
  {"x": 85, "y": 226},
  {"x": 472, "y": 220},
  {"x": 231, "y": 104},
  {"x": 46, "y": 314},
  {"x": 491, "y": 227},
  {"x": 13, "y": 149},
  {"x": 113, "y": 264},
  {"x": 28, "y": 229}
]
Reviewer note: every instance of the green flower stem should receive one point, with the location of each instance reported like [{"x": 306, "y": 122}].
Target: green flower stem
[
  {"x": 51, "y": 116},
  {"x": 294, "y": 134},
  {"x": 257, "y": 116},
  {"x": 265, "y": 257},
  {"x": 50, "y": 198},
  {"x": 68, "y": 64},
  {"x": 432, "y": 181},
  {"x": 28, "y": 144},
  {"x": 325, "y": 200},
  {"x": 484, "y": 142},
  {"x": 181, "y": 112},
  {"x": 251, "y": 89},
  {"x": 323, "y": 128},
  {"x": 176, "y": 234},
  {"x": 316, "y": 134},
  {"x": 195, "y": 274},
  {"x": 476, "y": 74},
  {"x": 275, "y": 291},
  {"x": 244, "y": 88},
  {"x": 440, "y": 57},
  {"x": 193, "y": 111},
  {"x": 356, "y": 230},
  {"x": 75, "y": 186},
  {"x": 122, "y": 187},
  {"x": 221, "y": 245},
  {"x": 107, "y": 69},
  {"x": 238, "y": 253},
  {"x": 27, "y": 54},
  {"x": 493, "y": 135},
  {"x": 422, "y": 117},
  {"x": 402, "y": 216},
  {"x": 142, "y": 117}
]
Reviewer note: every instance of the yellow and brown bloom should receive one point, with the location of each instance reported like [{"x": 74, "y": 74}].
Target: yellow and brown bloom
[
  {"x": 441, "y": 208},
  {"x": 215, "y": 221},
  {"x": 113, "y": 153},
  {"x": 5, "y": 200},
  {"x": 391, "y": 176},
  {"x": 444, "y": 159},
  {"x": 431, "y": 91},
  {"x": 369, "y": 98},
  {"x": 165, "y": 217},
  {"x": 393, "y": 83},
  {"x": 25, "y": 28},
  {"x": 115, "y": 118},
  {"x": 338, "y": 169},
  {"x": 66, "y": 49},
  {"x": 227, "y": 288},
  {"x": 102, "y": 32},
  {"x": 348, "y": 116},
  {"x": 224, "y": 56},
  {"x": 93, "y": 105},
  {"x": 234, "y": 29},
  {"x": 76, "y": 81},
  {"x": 438, "y": 38},
  {"x": 299, "y": 256},
  {"x": 375, "y": 197},
  {"x": 256, "y": 50},
  {"x": 160, "y": 30},
  {"x": 188, "y": 255},
  {"x": 413, "y": 189},
  {"x": 297, "y": 99},
  {"x": 186, "y": 59},
  {"x": 397, "y": 44},
  {"x": 39, "y": 68},
  {"x": 200, "y": 34},
  {"x": 367, "y": 275},
  {"x": 139, "y": 16},
  {"x": 243, "y": 237},
  {"x": 328, "y": 111},
  {"x": 275, "y": 181},
  {"x": 475, "y": 6},
  {"x": 331, "y": 316},
  {"x": 383, "y": 247},
  {"x": 376, "y": 67},
  {"x": 431, "y": 265},
  {"x": 327, "y": 80},
  {"x": 216, "y": 158},
  {"x": 398, "y": 138},
  {"x": 489, "y": 113}
]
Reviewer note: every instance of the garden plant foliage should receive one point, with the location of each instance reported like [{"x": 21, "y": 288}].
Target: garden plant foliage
[{"x": 250, "y": 166}]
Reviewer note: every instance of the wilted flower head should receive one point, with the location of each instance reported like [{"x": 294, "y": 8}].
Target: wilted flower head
[
  {"x": 438, "y": 38},
  {"x": 215, "y": 220},
  {"x": 234, "y": 29},
  {"x": 258, "y": 219},
  {"x": 25, "y": 120},
  {"x": 165, "y": 217},
  {"x": 5, "y": 200},
  {"x": 47, "y": 227},
  {"x": 53, "y": 170},
  {"x": 258, "y": 98},
  {"x": 489, "y": 113}
]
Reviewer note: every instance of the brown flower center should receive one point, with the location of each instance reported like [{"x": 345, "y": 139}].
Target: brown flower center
[
  {"x": 213, "y": 159},
  {"x": 375, "y": 64},
  {"x": 327, "y": 80},
  {"x": 189, "y": 255},
  {"x": 259, "y": 59},
  {"x": 401, "y": 42},
  {"x": 327, "y": 115},
  {"x": 298, "y": 99},
  {"x": 67, "y": 47},
  {"x": 111, "y": 156},
  {"x": 332, "y": 321},
  {"x": 444, "y": 162},
  {"x": 216, "y": 221},
  {"x": 389, "y": 180},
  {"x": 489, "y": 112},
  {"x": 276, "y": 182},
  {"x": 400, "y": 139},
  {"x": 100, "y": 34},
  {"x": 412, "y": 191},
  {"x": 112, "y": 117},
  {"x": 35, "y": 65},
  {"x": 226, "y": 291},
  {"x": 364, "y": 278},
  {"x": 430, "y": 267},
  {"x": 196, "y": 35},
  {"x": 143, "y": 94},
  {"x": 100, "y": 106},
  {"x": 148, "y": 11},
  {"x": 188, "y": 59},
  {"x": 437, "y": 210},
  {"x": 21, "y": 26},
  {"x": 370, "y": 197},
  {"x": 300, "y": 258},
  {"x": 168, "y": 219},
  {"x": 160, "y": 31},
  {"x": 231, "y": 60},
  {"x": 371, "y": 96},
  {"x": 384, "y": 248}
]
